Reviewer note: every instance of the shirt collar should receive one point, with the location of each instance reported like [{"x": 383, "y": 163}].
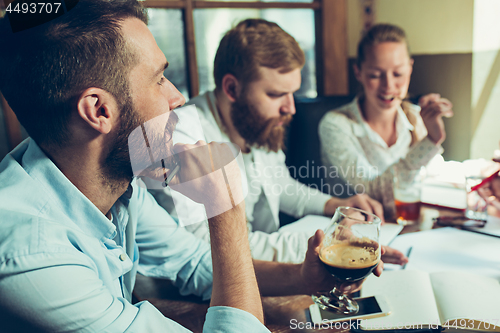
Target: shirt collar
[
  {"x": 361, "y": 127},
  {"x": 403, "y": 121},
  {"x": 212, "y": 105},
  {"x": 125, "y": 198},
  {"x": 65, "y": 197}
]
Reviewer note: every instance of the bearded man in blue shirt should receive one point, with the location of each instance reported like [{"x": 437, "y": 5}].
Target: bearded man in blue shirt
[{"x": 74, "y": 226}]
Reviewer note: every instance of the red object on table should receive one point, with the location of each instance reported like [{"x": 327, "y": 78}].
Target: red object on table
[{"x": 485, "y": 181}]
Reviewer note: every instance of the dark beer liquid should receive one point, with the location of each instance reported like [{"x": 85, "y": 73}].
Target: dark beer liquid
[{"x": 349, "y": 262}]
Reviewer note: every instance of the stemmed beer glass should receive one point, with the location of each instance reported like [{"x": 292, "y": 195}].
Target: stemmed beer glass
[{"x": 350, "y": 251}]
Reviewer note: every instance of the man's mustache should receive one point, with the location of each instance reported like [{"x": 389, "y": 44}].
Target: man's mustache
[
  {"x": 286, "y": 119},
  {"x": 273, "y": 122},
  {"x": 151, "y": 146}
]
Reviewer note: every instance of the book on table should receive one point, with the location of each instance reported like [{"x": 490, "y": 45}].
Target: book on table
[{"x": 453, "y": 301}]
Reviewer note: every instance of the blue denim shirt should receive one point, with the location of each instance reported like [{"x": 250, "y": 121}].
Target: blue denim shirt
[{"x": 64, "y": 266}]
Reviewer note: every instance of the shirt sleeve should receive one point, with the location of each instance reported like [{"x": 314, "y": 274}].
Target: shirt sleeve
[
  {"x": 289, "y": 247},
  {"x": 298, "y": 199},
  {"x": 169, "y": 251},
  {"x": 61, "y": 292},
  {"x": 226, "y": 319},
  {"x": 164, "y": 199},
  {"x": 64, "y": 296},
  {"x": 348, "y": 169}
]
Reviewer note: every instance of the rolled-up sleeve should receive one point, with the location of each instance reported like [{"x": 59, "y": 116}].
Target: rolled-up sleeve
[
  {"x": 227, "y": 319},
  {"x": 297, "y": 199}
]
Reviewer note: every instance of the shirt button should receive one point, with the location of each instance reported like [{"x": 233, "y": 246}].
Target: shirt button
[{"x": 123, "y": 257}]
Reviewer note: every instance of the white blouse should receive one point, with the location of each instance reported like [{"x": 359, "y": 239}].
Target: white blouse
[{"x": 356, "y": 156}]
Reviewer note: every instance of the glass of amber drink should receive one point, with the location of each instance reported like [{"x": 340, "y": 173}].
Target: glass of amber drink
[
  {"x": 407, "y": 201},
  {"x": 350, "y": 251},
  {"x": 407, "y": 193}
]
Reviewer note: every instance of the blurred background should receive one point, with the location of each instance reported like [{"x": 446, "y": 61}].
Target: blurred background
[{"x": 455, "y": 44}]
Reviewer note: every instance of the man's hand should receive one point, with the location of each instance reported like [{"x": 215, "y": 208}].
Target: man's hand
[
  {"x": 434, "y": 108},
  {"x": 209, "y": 174},
  {"x": 393, "y": 256},
  {"x": 361, "y": 201},
  {"x": 314, "y": 275}
]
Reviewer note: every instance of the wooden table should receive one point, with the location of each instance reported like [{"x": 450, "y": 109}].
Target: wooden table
[
  {"x": 190, "y": 311},
  {"x": 282, "y": 314}
]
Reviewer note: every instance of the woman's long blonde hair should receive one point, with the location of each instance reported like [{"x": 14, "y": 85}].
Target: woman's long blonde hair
[{"x": 381, "y": 33}]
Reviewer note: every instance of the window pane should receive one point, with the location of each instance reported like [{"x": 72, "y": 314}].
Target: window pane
[
  {"x": 211, "y": 24},
  {"x": 167, "y": 27}
]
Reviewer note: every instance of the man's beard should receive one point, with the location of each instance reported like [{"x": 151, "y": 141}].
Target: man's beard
[
  {"x": 255, "y": 129},
  {"x": 117, "y": 167}
]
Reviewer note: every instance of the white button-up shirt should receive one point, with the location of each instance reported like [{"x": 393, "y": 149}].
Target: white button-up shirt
[
  {"x": 353, "y": 152},
  {"x": 271, "y": 189}
]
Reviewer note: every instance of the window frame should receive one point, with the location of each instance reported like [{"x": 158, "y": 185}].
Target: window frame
[{"x": 330, "y": 29}]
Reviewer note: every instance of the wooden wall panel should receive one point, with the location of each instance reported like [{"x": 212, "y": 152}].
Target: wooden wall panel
[{"x": 333, "y": 60}]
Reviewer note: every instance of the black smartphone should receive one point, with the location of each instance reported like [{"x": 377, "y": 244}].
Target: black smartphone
[
  {"x": 369, "y": 307},
  {"x": 459, "y": 221}
]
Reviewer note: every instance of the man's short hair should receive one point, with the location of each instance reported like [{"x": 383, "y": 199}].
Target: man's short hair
[
  {"x": 254, "y": 43},
  {"x": 44, "y": 70}
]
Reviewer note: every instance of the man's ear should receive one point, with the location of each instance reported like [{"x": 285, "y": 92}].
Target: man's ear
[
  {"x": 357, "y": 73},
  {"x": 98, "y": 108},
  {"x": 231, "y": 87}
]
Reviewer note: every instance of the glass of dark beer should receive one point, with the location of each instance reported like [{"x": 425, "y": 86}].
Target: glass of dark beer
[{"x": 350, "y": 251}]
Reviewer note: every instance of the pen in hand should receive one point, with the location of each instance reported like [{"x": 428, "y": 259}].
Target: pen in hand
[
  {"x": 408, "y": 256},
  {"x": 171, "y": 175},
  {"x": 485, "y": 181}
]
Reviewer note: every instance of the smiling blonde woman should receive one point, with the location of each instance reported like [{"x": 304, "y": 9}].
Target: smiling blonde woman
[{"x": 379, "y": 134}]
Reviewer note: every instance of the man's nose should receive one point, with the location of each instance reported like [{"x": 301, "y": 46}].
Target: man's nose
[
  {"x": 175, "y": 98},
  {"x": 288, "y": 106}
]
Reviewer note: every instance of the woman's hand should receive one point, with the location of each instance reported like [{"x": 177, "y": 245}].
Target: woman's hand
[
  {"x": 434, "y": 108},
  {"x": 361, "y": 201},
  {"x": 490, "y": 192}
]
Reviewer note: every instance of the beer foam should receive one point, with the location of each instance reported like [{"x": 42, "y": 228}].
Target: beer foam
[
  {"x": 407, "y": 195},
  {"x": 350, "y": 255}
]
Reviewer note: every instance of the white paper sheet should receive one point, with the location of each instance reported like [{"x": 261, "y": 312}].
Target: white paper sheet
[
  {"x": 450, "y": 249},
  {"x": 410, "y": 298},
  {"x": 466, "y": 296}
]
